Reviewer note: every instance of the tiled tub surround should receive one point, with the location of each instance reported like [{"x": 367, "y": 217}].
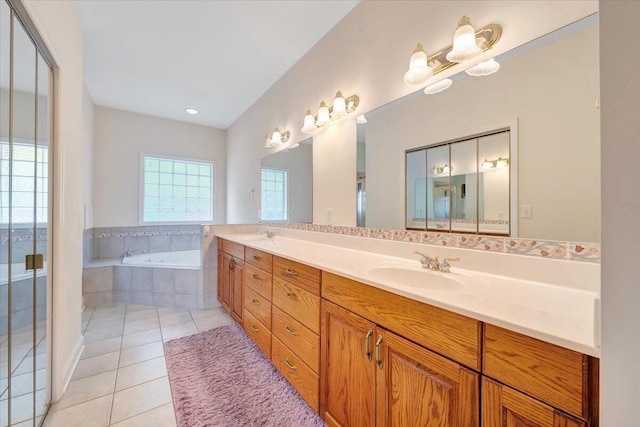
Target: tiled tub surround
[
  {"x": 550, "y": 299},
  {"x": 22, "y": 302}
]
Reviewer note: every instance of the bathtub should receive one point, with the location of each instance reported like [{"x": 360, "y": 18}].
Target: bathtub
[
  {"x": 178, "y": 260},
  {"x": 18, "y": 272}
]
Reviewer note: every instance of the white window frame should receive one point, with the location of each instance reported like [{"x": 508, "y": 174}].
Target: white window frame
[
  {"x": 286, "y": 192},
  {"x": 141, "y": 171}
]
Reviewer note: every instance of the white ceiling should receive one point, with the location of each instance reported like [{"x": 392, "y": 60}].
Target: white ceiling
[{"x": 159, "y": 57}]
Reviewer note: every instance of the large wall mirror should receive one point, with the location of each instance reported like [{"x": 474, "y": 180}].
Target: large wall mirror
[
  {"x": 286, "y": 187},
  {"x": 548, "y": 88}
]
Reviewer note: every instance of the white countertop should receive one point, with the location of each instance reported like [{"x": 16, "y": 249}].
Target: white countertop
[{"x": 555, "y": 314}]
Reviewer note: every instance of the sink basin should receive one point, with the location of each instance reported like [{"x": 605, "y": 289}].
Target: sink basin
[
  {"x": 250, "y": 237},
  {"x": 416, "y": 278}
]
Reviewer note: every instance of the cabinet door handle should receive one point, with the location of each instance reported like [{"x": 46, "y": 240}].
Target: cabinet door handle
[
  {"x": 291, "y": 272},
  {"x": 367, "y": 339},
  {"x": 289, "y": 365},
  {"x": 254, "y": 328},
  {"x": 292, "y": 296},
  {"x": 255, "y": 276},
  {"x": 257, "y": 258},
  {"x": 291, "y": 331},
  {"x": 232, "y": 263},
  {"x": 378, "y": 359},
  {"x": 255, "y": 302}
]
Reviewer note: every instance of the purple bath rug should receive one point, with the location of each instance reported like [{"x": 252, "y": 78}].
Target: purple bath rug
[{"x": 220, "y": 378}]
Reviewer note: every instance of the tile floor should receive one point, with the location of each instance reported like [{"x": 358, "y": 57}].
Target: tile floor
[{"x": 121, "y": 379}]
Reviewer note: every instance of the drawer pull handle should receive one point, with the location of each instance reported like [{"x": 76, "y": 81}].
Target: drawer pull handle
[
  {"x": 292, "y": 296},
  {"x": 378, "y": 359},
  {"x": 291, "y": 272},
  {"x": 254, "y": 328},
  {"x": 367, "y": 340},
  {"x": 255, "y": 302},
  {"x": 255, "y": 276},
  {"x": 289, "y": 365},
  {"x": 291, "y": 331},
  {"x": 257, "y": 258},
  {"x": 232, "y": 264}
]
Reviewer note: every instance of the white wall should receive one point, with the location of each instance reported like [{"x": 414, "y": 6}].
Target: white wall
[
  {"x": 121, "y": 136},
  {"x": 58, "y": 23},
  {"x": 87, "y": 157},
  {"x": 558, "y": 136},
  {"x": 366, "y": 53},
  {"x": 620, "y": 83}
]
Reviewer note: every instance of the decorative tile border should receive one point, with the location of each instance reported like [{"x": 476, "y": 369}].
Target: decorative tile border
[
  {"x": 573, "y": 251},
  {"x": 146, "y": 231}
]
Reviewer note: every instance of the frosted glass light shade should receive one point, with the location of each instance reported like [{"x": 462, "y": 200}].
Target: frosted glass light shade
[
  {"x": 361, "y": 119},
  {"x": 438, "y": 87},
  {"x": 323, "y": 115},
  {"x": 276, "y": 137},
  {"x": 339, "y": 106},
  {"x": 267, "y": 141},
  {"x": 419, "y": 70},
  {"x": 464, "y": 42},
  {"x": 309, "y": 123},
  {"x": 502, "y": 163},
  {"x": 484, "y": 68},
  {"x": 487, "y": 164}
]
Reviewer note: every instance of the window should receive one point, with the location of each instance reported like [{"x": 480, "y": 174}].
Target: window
[
  {"x": 23, "y": 183},
  {"x": 274, "y": 194},
  {"x": 176, "y": 190}
]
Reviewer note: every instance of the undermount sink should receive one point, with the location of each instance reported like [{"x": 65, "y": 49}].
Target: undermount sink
[{"x": 416, "y": 278}]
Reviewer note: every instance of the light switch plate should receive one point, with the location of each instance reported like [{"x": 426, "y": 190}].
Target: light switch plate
[{"x": 525, "y": 211}]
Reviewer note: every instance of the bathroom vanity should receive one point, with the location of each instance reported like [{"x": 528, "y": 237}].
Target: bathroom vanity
[{"x": 368, "y": 339}]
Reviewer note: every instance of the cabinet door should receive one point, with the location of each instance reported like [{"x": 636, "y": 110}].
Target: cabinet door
[
  {"x": 347, "y": 381},
  {"x": 236, "y": 277},
  {"x": 224, "y": 286},
  {"x": 503, "y": 406},
  {"x": 416, "y": 387}
]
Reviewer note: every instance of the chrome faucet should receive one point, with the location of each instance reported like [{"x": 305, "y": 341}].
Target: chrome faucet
[
  {"x": 434, "y": 264},
  {"x": 270, "y": 234},
  {"x": 134, "y": 251}
]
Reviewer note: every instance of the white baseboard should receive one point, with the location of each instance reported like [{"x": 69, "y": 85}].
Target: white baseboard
[{"x": 70, "y": 366}]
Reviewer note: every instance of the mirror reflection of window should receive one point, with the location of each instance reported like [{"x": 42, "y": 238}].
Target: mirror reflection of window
[{"x": 274, "y": 189}]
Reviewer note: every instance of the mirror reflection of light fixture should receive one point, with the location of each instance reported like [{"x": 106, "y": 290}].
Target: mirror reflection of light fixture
[
  {"x": 438, "y": 87},
  {"x": 499, "y": 163},
  {"x": 276, "y": 138},
  {"x": 484, "y": 68},
  {"x": 419, "y": 70},
  {"x": 361, "y": 119},
  {"x": 464, "y": 42},
  {"x": 341, "y": 107},
  {"x": 442, "y": 170}
]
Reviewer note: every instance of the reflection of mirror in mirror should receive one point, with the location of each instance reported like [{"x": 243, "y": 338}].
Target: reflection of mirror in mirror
[
  {"x": 361, "y": 180},
  {"x": 286, "y": 184},
  {"x": 546, "y": 92}
]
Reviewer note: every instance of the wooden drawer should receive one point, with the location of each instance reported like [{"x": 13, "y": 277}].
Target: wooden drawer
[
  {"x": 232, "y": 248},
  {"x": 258, "y": 306},
  {"x": 555, "y": 375},
  {"x": 260, "y": 259},
  {"x": 296, "y": 372},
  {"x": 257, "y": 332},
  {"x": 298, "y": 303},
  {"x": 302, "y": 340},
  {"x": 302, "y": 275},
  {"x": 450, "y": 334},
  {"x": 258, "y": 280}
]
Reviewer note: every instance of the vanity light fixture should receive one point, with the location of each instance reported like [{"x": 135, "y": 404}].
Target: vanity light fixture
[
  {"x": 191, "y": 111},
  {"x": 467, "y": 44},
  {"x": 276, "y": 138},
  {"x": 438, "y": 87},
  {"x": 361, "y": 119},
  {"x": 499, "y": 163},
  {"x": 341, "y": 108},
  {"x": 484, "y": 68},
  {"x": 442, "y": 170}
]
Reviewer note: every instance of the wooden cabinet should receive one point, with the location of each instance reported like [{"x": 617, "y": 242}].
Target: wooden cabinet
[
  {"x": 371, "y": 376},
  {"x": 236, "y": 277},
  {"x": 231, "y": 278},
  {"x": 224, "y": 285},
  {"x": 503, "y": 406},
  {"x": 257, "y": 298}
]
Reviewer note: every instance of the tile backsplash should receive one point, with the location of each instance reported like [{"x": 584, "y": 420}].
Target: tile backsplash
[{"x": 574, "y": 251}]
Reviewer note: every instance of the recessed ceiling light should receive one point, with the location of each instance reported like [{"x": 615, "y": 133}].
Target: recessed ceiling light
[{"x": 191, "y": 110}]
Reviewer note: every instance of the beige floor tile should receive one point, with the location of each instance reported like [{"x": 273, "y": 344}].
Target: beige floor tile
[
  {"x": 141, "y": 338},
  {"x": 101, "y": 347},
  {"x": 141, "y": 353},
  {"x": 206, "y": 323},
  {"x": 136, "y": 316},
  {"x": 27, "y": 365},
  {"x": 93, "y": 413},
  {"x": 165, "y": 311},
  {"x": 96, "y": 365},
  {"x": 179, "y": 330},
  {"x": 132, "y": 308},
  {"x": 102, "y": 312},
  {"x": 23, "y": 384},
  {"x": 199, "y": 314},
  {"x": 140, "y": 326},
  {"x": 21, "y": 409},
  {"x": 164, "y": 416},
  {"x": 172, "y": 319},
  {"x": 102, "y": 334},
  {"x": 105, "y": 322},
  {"x": 139, "y": 399},
  {"x": 139, "y": 373},
  {"x": 86, "y": 389}
]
